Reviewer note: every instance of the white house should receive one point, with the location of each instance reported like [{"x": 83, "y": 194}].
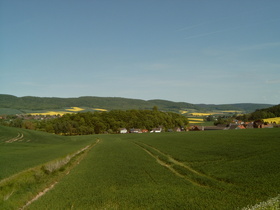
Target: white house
[
  {"x": 123, "y": 130},
  {"x": 156, "y": 130}
]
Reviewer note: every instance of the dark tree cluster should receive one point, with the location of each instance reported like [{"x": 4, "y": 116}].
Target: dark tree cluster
[
  {"x": 223, "y": 120},
  {"x": 111, "y": 122}
]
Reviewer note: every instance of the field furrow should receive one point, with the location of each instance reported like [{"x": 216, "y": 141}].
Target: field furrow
[
  {"x": 181, "y": 169},
  {"x": 19, "y": 137},
  {"x": 169, "y": 166}
]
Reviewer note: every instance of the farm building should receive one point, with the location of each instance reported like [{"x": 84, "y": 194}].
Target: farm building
[
  {"x": 196, "y": 128},
  {"x": 236, "y": 127}
]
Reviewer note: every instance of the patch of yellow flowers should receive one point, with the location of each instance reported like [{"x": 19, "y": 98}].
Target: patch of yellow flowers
[
  {"x": 272, "y": 120},
  {"x": 102, "y": 110},
  {"x": 75, "y": 109},
  {"x": 50, "y": 113},
  {"x": 201, "y": 114}
]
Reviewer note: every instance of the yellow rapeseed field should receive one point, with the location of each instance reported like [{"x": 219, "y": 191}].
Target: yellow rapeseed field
[
  {"x": 195, "y": 122},
  {"x": 230, "y": 111},
  {"x": 202, "y": 114},
  {"x": 50, "y": 113},
  {"x": 183, "y": 112},
  {"x": 272, "y": 120},
  {"x": 75, "y": 109},
  {"x": 102, "y": 110},
  {"x": 196, "y": 119}
]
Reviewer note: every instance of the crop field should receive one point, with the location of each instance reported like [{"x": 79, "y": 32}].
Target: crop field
[
  {"x": 272, "y": 120},
  {"x": 231, "y": 111},
  {"x": 66, "y": 111},
  {"x": 101, "y": 110},
  {"x": 187, "y": 170},
  {"x": 202, "y": 114},
  {"x": 195, "y": 120},
  {"x": 59, "y": 112},
  {"x": 183, "y": 111},
  {"x": 75, "y": 109},
  {"x": 21, "y": 149},
  {"x": 50, "y": 113}
]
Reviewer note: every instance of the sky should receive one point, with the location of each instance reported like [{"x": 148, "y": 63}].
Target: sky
[{"x": 212, "y": 52}]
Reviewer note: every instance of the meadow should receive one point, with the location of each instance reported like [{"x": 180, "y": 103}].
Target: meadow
[{"x": 188, "y": 170}]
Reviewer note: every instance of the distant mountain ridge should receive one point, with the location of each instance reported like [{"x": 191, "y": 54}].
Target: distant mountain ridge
[{"x": 110, "y": 103}]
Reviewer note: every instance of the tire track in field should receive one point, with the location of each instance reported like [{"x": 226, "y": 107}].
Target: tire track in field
[
  {"x": 168, "y": 166},
  {"x": 19, "y": 137},
  {"x": 77, "y": 162},
  {"x": 190, "y": 174}
]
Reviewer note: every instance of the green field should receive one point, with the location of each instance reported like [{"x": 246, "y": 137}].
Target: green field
[
  {"x": 21, "y": 149},
  {"x": 188, "y": 170}
]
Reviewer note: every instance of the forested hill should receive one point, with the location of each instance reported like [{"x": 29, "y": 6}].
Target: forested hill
[
  {"x": 112, "y": 103},
  {"x": 109, "y": 103},
  {"x": 271, "y": 112}
]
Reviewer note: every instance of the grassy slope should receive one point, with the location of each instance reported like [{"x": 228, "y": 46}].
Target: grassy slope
[
  {"x": 33, "y": 149},
  {"x": 239, "y": 168}
]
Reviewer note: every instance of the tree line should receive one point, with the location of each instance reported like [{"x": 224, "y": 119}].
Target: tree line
[
  {"x": 104, "y": 122},
  {"x": 261, "y": 114}
]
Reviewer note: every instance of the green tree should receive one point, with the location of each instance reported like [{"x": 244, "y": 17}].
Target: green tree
[
  {"x": 28, "y": 125},
  {"x": 155, "y": 108}
]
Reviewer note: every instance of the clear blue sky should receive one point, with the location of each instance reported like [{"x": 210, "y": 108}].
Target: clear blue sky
[{"x": 218, "y": 51}]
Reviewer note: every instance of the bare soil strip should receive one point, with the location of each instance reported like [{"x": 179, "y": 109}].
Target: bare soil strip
[{"x": 17, "y": 138}]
